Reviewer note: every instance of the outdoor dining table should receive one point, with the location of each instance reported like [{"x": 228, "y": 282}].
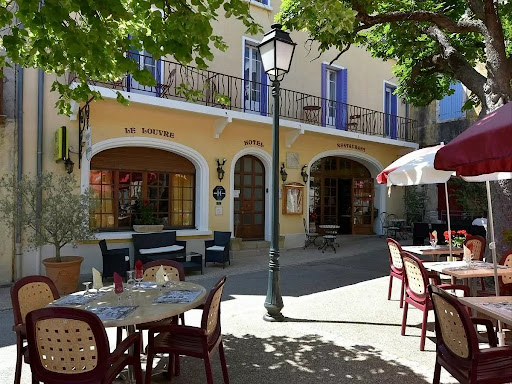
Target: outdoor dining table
[
  {"x": 496, "y": 307},
  {"x": 469, "y": 274},
  {"x": 330, "y": 236},
  {"x": 434, "y": 253},
  {"x": 138, "y": 304}
]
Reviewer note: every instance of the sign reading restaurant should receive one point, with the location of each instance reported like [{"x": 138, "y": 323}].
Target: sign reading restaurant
[
  {"x": 149, "y": 131},
  {"x": 351, "y": 146}
]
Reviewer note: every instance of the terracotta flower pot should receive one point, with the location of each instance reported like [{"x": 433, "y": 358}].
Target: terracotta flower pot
[{"x": 64, "y": 274}]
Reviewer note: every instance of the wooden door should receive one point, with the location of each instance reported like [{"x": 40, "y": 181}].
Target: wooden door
[
  {"x": 362, "y": 206},
  {"x": 249, "y": 209}
]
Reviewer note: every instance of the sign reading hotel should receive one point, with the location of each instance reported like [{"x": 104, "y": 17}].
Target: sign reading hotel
[
  {"x": 253, "y": 142},
  {"x": 149, "y": 131},
  {"x": 351, "y": 146}
]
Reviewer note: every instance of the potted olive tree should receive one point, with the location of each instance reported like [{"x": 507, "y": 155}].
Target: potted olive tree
[{"x": 61, "y": 218}]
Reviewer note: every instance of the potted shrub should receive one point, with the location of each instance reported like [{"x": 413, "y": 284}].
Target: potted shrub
[
  {"x": 145, "y": 219},
  {"x": 63, "y": 218}
]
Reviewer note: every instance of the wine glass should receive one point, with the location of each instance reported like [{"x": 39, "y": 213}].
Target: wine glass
[
  {"x": 130, "y": 281},
  {"x": 118, "y": 290},
  {"x": 433, "y": 243},
  {"x": 139, "y": 275},
  {"x": 86, "y": 283}
]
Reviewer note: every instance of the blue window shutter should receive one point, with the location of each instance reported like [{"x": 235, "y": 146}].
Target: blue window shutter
[
  {"x": 135, "y": 56},
  {"x": 324, "y": 92},
  {"x": 263, "y": 93},
  {"x": 341, "y": 99},
  {"x": 394, "y": 111},
  {"x": 158, "y": 77},
  {"x": 450, "y": 106}
]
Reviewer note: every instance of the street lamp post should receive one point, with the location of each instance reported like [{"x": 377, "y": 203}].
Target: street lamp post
[{"x": 276, "y": 51}]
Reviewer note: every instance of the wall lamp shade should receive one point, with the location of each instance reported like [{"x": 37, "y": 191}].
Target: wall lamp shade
[
  {"x": 284, "y": 174},
  {"x": 276, "y": 51},
  {"x": 304, "y": 174},
  {"x": 220, "y": 170},
  {"x": 69, "y": 165}
]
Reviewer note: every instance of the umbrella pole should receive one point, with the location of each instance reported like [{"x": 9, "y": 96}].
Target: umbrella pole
[
  {"x": 492, "y": 246},
  {"x": 448, "y": 219}
]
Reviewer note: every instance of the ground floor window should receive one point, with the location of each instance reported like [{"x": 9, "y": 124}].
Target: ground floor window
[{"x": 129, "y": 183}]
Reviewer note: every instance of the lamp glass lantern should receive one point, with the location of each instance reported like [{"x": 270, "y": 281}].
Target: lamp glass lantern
[{"x": 276, "y": 51}]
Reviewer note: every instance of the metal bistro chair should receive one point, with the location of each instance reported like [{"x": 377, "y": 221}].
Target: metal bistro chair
[
  {"x": 457, "y": 348},
  {"x": 70, "y": 345},
  {"x": 198, "y": 342},
  {"x": 27, "y": 294},
  {"x": 311, "y": 237}
]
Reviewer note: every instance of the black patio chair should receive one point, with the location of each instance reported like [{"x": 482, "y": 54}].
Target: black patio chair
[{"x": 114, "y": 260}]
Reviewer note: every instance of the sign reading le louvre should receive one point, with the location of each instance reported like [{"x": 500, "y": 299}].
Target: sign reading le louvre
[
  {"x": 149, "y": 131},
  {"x": 351, "y": 146}
]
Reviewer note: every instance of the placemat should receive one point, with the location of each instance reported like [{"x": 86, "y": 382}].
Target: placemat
[
  {"x": 78, "y": 298},
  {"x": 113, "y": 312},
  {"x": 504, "y": 307},
  {"x": 177, "y": 297}
]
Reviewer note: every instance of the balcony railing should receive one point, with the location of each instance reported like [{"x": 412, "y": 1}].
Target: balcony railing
[{"x": 177, "y": 81}]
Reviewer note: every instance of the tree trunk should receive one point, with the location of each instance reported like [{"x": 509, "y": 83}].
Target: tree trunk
[{"x": 57, "y": 254}]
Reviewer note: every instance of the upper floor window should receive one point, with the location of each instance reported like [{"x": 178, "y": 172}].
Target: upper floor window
[
  {"x": 122, "y": 179},
  {"x": 146, "y": 62},
  {"x": 450, "y": 106},
  {"x": 264, "y": 2},
  {"x": 334, "y": 96},
  {"x": 255, "y": 81},
  {"x": 390, "y": 111}
]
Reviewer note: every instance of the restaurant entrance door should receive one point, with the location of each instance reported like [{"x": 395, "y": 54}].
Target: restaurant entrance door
[{"x": 342, "y": 193}]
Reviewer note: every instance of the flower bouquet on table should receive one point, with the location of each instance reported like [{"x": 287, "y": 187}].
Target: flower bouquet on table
[{"x": 458, "y": 237}]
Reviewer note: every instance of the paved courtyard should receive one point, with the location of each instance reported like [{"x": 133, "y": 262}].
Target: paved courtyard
[{"x": 339, "y": 326}]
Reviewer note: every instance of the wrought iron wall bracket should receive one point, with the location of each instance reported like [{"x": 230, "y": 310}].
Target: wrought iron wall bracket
[{"x": 83, "y": 123}]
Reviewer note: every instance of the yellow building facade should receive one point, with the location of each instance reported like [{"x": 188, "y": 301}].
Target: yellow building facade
[{"x": 340, "y": 125}]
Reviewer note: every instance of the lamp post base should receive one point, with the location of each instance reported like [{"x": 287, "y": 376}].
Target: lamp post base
[{"x": 273, "y": 318}]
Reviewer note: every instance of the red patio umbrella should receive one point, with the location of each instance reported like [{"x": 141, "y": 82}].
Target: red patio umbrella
[
  {"x": 482, "y": 153},
  {"x": 485, "y": 147}
]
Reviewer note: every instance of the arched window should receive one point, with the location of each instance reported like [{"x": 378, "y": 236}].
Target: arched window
[{"x": 131, "y": 182}]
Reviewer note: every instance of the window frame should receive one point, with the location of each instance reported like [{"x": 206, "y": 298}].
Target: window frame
[{"x": 144, "y": 197}]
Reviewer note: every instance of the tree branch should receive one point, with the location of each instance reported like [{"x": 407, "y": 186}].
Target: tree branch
[
  {"x": 341, "y": 53},
  {"x": 442, "y": 21},
  {"x": 460, "y": 67}
]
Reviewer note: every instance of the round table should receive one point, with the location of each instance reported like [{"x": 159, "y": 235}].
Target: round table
[
  {"x": 331, "y": 233},
  {"x": 143, "y": 298}
]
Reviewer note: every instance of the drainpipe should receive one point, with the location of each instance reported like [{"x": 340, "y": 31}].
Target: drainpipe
[
  {"x": 16, "y": 262},
  {"x": 39, "y": 170}
]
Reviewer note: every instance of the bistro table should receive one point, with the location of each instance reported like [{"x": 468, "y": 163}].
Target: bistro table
[
  {"x": 469, "y": 274},
  {"x": 141, "y": 298},
  {"x": 496, "y": 307},
  {"x": 330, "y": 236},
  {"x": 434, "y": 253}
]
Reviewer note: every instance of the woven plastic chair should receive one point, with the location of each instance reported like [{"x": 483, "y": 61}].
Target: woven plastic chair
[
  {"x": 198, "y": 342},
  {"x": 70, "y": 345},
  {"x": 457, "y": 348},
  {"x": 27, "y": 294},
  {"x": 396, "y": 269},
  {"x": 477, "y": 244},
  {"x": 176, "y": 272},
  {"x": 416, "y": 283},
  {"x": 504, "y": 281}
]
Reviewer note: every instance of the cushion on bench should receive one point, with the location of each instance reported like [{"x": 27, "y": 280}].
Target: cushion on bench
[
  {"x": 169, "y": 248},
  {"x": 215, "y": 248}
]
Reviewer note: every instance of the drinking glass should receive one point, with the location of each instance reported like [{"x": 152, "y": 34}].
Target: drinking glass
[
  {"x": 139, "y": 275},
  {"x": 118, "y": 291},
  {"x": 433, "y": 243},
  {"x": 469, "y": 260},
  {"x": 86, "y": 283},
  {"x": 130, "y": 281}
]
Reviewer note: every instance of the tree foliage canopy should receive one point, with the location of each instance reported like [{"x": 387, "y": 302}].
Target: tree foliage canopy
[
  {"x": 433, "y": 42},
  {"x": 90, "y": 38}
]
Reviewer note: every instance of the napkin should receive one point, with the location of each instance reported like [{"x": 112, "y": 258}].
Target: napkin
[
  {"x": 431, "y": 237},
  {"x": 118, "y": 283},
  {"x": 138, "y": 270},
  {"x": 160, "y": 276},
  {"x": 434, "y": 233},
  {"x": 467, "y": 253},
  {"x": 96, "y": 279}
]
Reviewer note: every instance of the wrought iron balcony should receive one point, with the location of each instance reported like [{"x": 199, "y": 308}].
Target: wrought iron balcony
[{"x": 177, "y": 81}]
